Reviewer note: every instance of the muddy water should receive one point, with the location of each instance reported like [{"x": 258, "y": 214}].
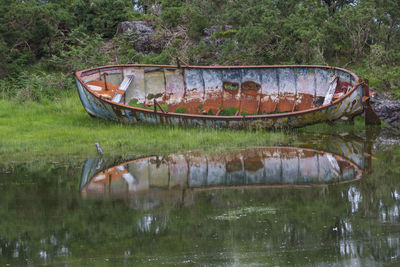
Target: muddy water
[{"x": 324, "y": 201}]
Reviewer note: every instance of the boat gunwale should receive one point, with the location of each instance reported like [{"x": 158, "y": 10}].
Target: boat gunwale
[{"x": 357, "y": 83}]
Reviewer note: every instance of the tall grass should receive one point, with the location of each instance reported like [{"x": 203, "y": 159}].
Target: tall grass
[
  {"x": 35, "y": 86},
  {"x": 61, "y": 128}
]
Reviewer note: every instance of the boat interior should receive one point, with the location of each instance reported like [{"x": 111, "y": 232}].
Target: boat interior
[{"x": 223, "y": 91}]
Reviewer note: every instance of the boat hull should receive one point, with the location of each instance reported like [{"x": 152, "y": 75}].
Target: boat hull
[{"x": 350, "y": 105}]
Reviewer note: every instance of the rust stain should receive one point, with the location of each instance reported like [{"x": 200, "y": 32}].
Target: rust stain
[{"x": 99, "y": 88}]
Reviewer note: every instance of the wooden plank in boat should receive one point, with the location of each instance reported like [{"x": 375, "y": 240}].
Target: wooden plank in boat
[
  {"x": 155, "y": 86},
  {"x": 287, "y": 89},
  {"x": 174, "y": 88},
  {"x": 213, "y": 91},
  {"x": 269, "y": 90},
  {"x": 194, "y": 93},
  {"x": 250, "y": 91}
]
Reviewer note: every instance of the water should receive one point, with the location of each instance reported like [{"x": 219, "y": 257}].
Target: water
[{"x": 324, "y": 202}]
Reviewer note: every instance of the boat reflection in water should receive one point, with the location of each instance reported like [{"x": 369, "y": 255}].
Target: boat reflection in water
[{"x": 252, "y": 167}]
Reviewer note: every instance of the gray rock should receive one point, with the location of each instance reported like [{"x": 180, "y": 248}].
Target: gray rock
[
  {"x": 208, "y": 32},
  {"x": 141, "y": 33},
  {"x": 386, "y": 108}
]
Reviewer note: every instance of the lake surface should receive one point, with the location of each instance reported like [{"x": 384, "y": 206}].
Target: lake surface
[{"x": 322, "y": 202}]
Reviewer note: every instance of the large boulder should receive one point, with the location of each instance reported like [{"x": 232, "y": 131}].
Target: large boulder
[
  {"x": 141, "y": 34},
  {"x": 386, "y": 108}
]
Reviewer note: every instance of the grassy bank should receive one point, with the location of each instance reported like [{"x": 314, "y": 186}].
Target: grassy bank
[
  {"x": 31, "y": 130},
  {"x": 61, "y": 129}
]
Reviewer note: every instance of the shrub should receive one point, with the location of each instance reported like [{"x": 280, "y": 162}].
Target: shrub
[{"x": 81, "y": 51}]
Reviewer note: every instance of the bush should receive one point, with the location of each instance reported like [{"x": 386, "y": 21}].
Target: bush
[
  {"x": 102, "y": 16},
  {"x": 80, "y": 52}
]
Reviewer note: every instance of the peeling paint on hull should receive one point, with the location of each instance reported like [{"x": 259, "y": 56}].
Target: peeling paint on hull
[{"x": 256, "y": 86}]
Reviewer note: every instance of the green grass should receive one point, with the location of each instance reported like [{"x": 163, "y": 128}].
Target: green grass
[{"x": 62, "y": 129}]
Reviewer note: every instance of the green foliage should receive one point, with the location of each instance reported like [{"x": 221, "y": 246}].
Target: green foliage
[
  {"x": 37, "y": 86},
  {"x": 29, "y": 31},
  {"x": 228, "y": 111},
  {"x": 134, "y": 103},
  {"x": 102, "y": 16},
  {"x": 81, "y": 51},
  {"x": 231, "y": 86},
  {"x": 67, "y": 35},
  {"x": 245, "y": 113},
  {"x": 382, "y": 70},
  {"x": 225, "y": 34},
  {"x": 180, "y": 110},
  {"x": 172, "y": 12},
  {"x": 127, "y": 54},
  {"x": 210, "y": 112},
  {"x": 196, "y": 22}
]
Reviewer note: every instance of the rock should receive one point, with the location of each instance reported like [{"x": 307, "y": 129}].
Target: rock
[
  {"x": 141, "y": 33},
  {"x": 386, "y": 108},
  {"x": 208, "y": 32}
]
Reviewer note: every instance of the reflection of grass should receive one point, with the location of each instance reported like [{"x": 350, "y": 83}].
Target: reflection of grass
[
  {"x": 32, "y": 130},
  {"x": 335, "y": 127}
]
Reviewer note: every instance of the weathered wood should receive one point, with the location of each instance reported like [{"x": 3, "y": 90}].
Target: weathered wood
[
  {"x": 156, "y": 104},
  {"x": 331, "y": 90},
  {"x": 370, "y": 116}
]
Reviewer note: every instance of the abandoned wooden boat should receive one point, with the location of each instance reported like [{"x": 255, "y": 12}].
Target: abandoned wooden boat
[{"x": 224, "y": 96}]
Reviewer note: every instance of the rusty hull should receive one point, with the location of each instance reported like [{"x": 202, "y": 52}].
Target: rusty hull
[{"x": 275, "y": 96}]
